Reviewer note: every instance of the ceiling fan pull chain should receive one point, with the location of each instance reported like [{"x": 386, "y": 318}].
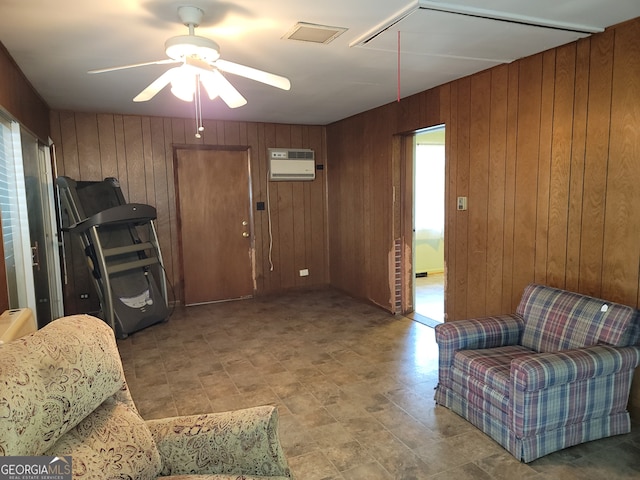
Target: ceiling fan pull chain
[
  {"x": 198, "y": 106},
  {"x": 398, "y": 65}
]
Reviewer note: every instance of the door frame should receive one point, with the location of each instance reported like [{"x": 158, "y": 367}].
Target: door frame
[
  {"x": 404, "y": 148},
  {"x": 252, "y": 239},
  {"x": 41, "y": 162}
]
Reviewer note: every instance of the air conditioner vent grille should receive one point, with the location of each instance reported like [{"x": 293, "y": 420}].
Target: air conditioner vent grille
[{"x": 301, "y": 154}]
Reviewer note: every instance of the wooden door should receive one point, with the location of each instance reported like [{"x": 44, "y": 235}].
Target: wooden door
[{"x": 214, "y": 219}]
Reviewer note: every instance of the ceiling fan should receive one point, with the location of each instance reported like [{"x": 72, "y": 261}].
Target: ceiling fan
[{"x": 200, "y": 63}]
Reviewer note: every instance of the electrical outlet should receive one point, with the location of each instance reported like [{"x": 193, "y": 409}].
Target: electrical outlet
[{"x": 304, "y": 272}]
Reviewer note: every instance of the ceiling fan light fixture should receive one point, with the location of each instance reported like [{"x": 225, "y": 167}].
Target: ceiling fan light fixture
[
  {"x": 183, "y": 84},
  {"x": 184, "y": 46}
]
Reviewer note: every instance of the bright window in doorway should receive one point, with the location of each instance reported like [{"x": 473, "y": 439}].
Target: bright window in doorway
[
  {"x": 429, "y": 189},
  {"x": 429, "y": 219}
]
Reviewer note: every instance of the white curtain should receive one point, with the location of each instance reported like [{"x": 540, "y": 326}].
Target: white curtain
[{"x": 15, "y": 224}]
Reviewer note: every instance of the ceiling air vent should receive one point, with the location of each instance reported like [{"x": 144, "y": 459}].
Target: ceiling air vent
[{"x": 311, "y": 32}]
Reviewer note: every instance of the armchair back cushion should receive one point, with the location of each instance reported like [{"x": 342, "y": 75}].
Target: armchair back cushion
[
  {"x": 51, "y": 381},
  {"x": 556, "y": 320}
]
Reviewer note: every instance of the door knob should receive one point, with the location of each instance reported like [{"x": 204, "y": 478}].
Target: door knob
[{"x": 245, "y": 234}]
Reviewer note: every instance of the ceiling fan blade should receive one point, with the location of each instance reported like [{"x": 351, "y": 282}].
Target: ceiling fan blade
[
  {"x": 216, "y": 85},
  {"x": 123, "y": 67},
  {"x": 254, "y": 74},
  {"x": 210, "y": 84},
  {"x": 155, "y": 86}
]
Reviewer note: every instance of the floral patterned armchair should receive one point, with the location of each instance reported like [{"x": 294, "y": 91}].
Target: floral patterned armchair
[
  {"x": 63, "y": 392},
  {"x": 556, "y": 373}
]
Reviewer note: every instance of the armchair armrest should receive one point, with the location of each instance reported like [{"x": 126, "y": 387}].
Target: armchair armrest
[
  {"x": 552, "y": 390},
  {"x": 238, "y": 442},
  {"x": 543, "y": 370},
  {"x": 487, "y": 332}
]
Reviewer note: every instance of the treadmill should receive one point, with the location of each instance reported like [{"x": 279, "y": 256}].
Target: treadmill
[{"x": 122, "y": 249}]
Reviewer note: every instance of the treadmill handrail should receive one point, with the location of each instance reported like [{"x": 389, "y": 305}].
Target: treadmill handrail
[
  {"x": 131, "y": 213},
  {"x": 136, "y": 247},
  {"x": 123, "y": 267}
]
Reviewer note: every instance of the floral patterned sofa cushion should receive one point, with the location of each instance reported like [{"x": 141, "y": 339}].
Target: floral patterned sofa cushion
[
  {"x": 51, "y": 380},
  {"x": 240, "y": 442},
  {"x": 112, "y": 442},
  {"x": 63, "y": 392}
]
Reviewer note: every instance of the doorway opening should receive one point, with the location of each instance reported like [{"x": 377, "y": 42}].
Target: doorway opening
[{"x": 428, "y": 224}]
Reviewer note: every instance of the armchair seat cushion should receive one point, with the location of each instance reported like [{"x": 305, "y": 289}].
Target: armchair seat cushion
[{"x": 484, "y": 374}]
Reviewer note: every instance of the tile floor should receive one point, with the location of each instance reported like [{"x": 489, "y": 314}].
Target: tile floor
[
  {"x": 354, "y": 387},
  {"x": 429, "y": 299}
]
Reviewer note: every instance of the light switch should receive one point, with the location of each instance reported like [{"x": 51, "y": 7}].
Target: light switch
[{"x": 462, "y": 203}]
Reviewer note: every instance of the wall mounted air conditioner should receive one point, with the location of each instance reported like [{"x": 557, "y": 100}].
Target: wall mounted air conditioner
[{"x": 291, "y": 164}]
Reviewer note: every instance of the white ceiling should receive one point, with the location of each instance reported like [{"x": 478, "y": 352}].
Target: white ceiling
[{"x": 56, "y": 42}]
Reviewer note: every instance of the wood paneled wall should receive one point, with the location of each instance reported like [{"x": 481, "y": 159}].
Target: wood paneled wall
[
  {"x": 139, "y": 152},
  {"x": 547, "y": 150},
  {"x": 22, "y": 102},
  {"x": 20, "y": 99}
]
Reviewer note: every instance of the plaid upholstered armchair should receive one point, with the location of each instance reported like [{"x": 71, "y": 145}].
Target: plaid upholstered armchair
[{"x": 554, "y": 374}]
